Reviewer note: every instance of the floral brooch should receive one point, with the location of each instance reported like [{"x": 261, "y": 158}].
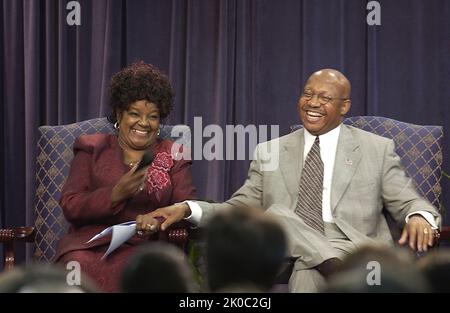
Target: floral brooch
[{"x": 157, "y": 175}]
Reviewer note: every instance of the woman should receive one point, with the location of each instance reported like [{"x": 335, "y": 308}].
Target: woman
[{"x": 104, "y": 188}]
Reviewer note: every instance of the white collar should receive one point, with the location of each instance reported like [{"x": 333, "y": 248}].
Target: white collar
[{"x": 330, "y": 137}]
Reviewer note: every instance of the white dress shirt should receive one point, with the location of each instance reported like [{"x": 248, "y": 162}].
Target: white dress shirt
[{"x": 328, "y": 147}]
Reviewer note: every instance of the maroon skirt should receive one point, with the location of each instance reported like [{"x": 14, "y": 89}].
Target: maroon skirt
[{"x": 105, "y": 274}]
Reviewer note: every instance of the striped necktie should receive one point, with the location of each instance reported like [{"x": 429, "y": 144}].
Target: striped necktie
[{"x": 309, "y": 203}]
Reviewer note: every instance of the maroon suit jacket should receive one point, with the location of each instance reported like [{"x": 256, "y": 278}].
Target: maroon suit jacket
[{"x": 86, "y": 196}]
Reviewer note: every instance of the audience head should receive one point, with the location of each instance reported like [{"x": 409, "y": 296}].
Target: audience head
[
  {"x": 435, "y": 265},
  {"x": 42, "y": 278},
  {"x": 324, "y": 101},
  {"x": 157, "y": 267},
  {"x": 378, "y": 269},
  {"x": 245, "y": 249}
]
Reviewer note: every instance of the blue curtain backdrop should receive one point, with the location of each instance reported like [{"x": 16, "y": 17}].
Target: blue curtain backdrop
[{"x": 230, "y": 61}]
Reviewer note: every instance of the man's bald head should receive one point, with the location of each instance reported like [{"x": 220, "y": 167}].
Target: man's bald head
[
  {"x": 334, "y": 76},
  {"x": 324, "y": 102}
]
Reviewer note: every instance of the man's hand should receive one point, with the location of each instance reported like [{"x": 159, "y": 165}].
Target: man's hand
[
  {"x": 171, "y": 214},
  {"x": 146, "y": 225},
  {"x": 419, "y": 233}
]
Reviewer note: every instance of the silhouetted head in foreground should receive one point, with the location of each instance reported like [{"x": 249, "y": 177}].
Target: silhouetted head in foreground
[
  {"x": 435, "y": 265},
  {"x": 378, "y": 269},
  {"x": 44, "y": 278},
  {"x": 157, "y": 267},
  {"x": 244, "y": 250}
]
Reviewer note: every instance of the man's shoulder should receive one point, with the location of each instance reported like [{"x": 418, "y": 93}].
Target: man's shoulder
[
  {"x": 364, "y": 137},
  {"x": 285, "y": 140},
  {"x": 367, "y": 138}
]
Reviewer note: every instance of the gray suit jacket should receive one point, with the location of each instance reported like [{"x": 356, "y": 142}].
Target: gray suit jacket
[{"x": 367, "y": 176}]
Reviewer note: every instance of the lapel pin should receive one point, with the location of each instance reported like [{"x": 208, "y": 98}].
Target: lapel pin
[{"x": 348, "y": 161}]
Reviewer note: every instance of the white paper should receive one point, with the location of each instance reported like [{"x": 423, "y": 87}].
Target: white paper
[{"x": 120, "y": 234}]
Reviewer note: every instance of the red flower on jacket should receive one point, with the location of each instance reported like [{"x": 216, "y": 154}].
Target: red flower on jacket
[
  {"x": 163, "y": 161},
  {"x": 157, "y": 179},
  {"x": 157, "y": 175}
]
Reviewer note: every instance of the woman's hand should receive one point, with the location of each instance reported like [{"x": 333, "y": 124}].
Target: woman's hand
[
  {"x": 128, "y": 185},
  {"x": 146, "y": 225}
]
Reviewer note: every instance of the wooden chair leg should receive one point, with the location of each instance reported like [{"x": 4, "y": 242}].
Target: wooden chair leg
[{"x": 8, "y": 237}]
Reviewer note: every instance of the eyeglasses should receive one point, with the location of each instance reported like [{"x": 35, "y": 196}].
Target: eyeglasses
[{"x": 323, "y": 99}]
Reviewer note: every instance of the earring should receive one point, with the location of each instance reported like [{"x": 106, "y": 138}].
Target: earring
[
  {"x": 158, "y": 132},
  {"x": 116, "y": 125}
]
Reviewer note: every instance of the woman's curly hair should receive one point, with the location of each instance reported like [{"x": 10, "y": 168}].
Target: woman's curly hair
[{"x": 140, "y": 81}]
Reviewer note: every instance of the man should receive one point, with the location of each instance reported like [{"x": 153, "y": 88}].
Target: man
[{"x": 329, "y": 190}]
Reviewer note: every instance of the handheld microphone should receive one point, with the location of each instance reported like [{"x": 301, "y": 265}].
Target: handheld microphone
[{"x": 147, "y": 159}]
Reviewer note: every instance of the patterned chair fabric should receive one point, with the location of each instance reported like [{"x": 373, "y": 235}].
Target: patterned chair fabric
[
  {"x": 419, "y": 147},
  {"x": 54, "y": 157}
]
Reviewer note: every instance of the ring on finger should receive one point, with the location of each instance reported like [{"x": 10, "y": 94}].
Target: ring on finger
[
  {"x": 425, "y": 231},
  {"x": 150, "y": 227}
]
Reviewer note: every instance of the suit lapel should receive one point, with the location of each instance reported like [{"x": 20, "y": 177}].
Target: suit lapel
[
  {"x": 348, "y": 156},
  {"x": 291, "y": 161}
]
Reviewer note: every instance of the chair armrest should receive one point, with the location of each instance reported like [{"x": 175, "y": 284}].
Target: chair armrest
[
  {"x": 180, "y": 233},
  {"x": 8, "y": 237},
  {"x": 178, "y": 236},
  {"x": 444, "y": 233}
]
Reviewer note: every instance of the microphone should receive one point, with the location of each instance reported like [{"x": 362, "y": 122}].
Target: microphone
[{"x": 147, "y": 159}]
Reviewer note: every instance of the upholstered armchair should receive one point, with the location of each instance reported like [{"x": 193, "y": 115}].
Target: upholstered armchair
[
  {"x": 420, "y": 149},
  {"x": 54, "y": 157}
]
